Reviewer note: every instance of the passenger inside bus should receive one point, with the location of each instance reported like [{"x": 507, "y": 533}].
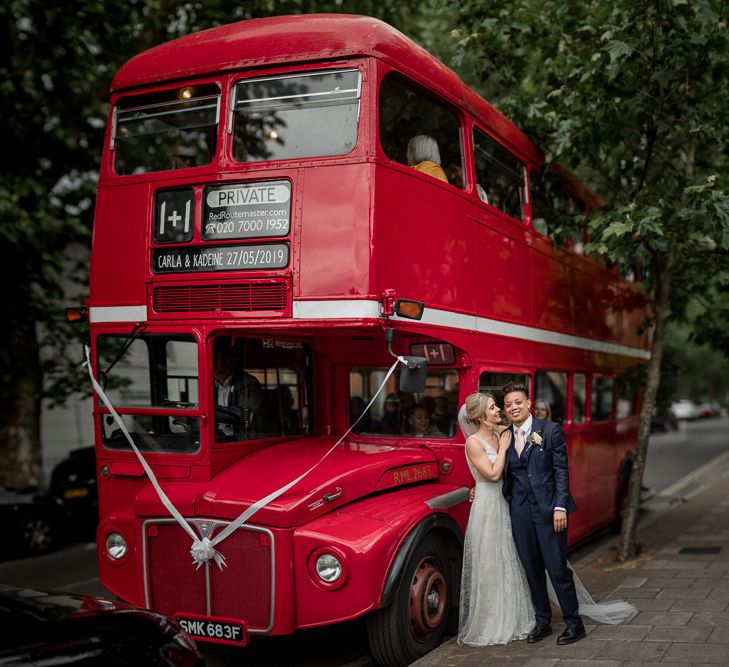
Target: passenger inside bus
[
  {"x": 441, "y": 417},
  {"x": 238, "y": 395},
  {"x": 391, "y": 418},
  {"x": 182, "y": 155},
  {"x": 357, "y": 405},
  {"x": 423, "y": 155},
  {"x": 420, "y": 424},
  {"x": 277, "y": 414},
  {"x": 454, "y": 174},
  {"x": 542, "y": 409}
]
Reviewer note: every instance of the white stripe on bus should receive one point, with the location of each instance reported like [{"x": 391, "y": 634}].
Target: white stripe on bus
[
  {"x": 351, "y": 308},
  {"x": 118, "y": 314}
]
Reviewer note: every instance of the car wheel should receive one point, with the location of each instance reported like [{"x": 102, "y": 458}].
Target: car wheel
[
  {"x": 36, "y": 535},
  {"x": 415, "y": 622}
]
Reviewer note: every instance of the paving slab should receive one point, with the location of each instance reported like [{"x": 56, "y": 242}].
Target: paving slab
[
  {"x": 691, "y": 634},
  {"x": 696, "y": 654},
  {"x": 650, "y": 618}
]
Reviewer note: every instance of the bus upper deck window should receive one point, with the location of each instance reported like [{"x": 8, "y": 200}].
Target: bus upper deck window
[
  {"x": 169, "y": 129},
  {"x": 499, "y": 176},
  {"x": 296, "y": 116},
  {"x": 420, "y": 132}
]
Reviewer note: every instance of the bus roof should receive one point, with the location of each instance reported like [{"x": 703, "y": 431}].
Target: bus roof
[{"x": 311, "y": 37}]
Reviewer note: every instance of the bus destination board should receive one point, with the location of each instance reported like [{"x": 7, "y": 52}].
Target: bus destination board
[
  {"x": 220, "y": 258},
  {"x": 246, "y": 210}
]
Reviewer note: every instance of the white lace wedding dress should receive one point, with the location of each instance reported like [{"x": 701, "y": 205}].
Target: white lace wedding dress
[{"x": 496, "y": 607}]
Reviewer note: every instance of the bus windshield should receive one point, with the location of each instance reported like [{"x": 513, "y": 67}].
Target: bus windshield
[
  {"x": 261, "y": 388},
  {"x": 151, "y": 371},
  {"x": 173, "y": 129},
  {"x": 296, "y": 116}
]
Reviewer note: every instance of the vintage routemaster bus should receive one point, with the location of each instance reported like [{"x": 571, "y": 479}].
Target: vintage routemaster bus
[{"x": 262, "y": 247}]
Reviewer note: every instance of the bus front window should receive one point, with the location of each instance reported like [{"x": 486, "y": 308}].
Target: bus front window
[
  {"x": 151, "y": 379},
  {"x": 261, "y": 388},
  {"x": 296, "y": 116},
  {"x": 172, "y": 129}
]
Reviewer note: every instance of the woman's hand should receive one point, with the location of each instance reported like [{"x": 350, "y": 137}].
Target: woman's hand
[{"x": 505, "y": 442}]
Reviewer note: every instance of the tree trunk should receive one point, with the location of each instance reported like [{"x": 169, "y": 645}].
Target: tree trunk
[
  {"x": 20, "y": 394},
  {"x": 627, "y": 546}
]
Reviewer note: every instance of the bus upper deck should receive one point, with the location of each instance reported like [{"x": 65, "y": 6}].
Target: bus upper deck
[{"x": 273, "y": 182}]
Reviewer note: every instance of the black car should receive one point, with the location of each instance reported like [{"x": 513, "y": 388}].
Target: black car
[
  {"x": 30, "y": 521},
  {"x": 54, "y": 628},
  {"x": 73, "y": 482}
]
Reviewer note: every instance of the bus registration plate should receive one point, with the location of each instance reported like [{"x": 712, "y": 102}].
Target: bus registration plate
[
  {"x": 220, "y": 258},
  {"x": 227, "y": 631}
]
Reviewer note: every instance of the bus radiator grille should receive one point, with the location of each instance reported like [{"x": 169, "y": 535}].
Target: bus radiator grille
[
  {"x": 243, "y": 297},
  {"x": 175, "y": 585},
  {"x": 242, "y": 589}
]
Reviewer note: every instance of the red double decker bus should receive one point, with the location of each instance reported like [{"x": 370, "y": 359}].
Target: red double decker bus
[{"x": 260, "y": 227}]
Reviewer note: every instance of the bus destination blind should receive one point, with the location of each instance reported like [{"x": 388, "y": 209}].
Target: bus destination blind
[
  {"x": 246, "y": 211},
  {"x": 220, "y": 258}
]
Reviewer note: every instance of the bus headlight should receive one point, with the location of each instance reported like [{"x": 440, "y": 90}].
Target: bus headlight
[
  {"x": 328, "y": 568},
  {"x": 116, "y": 546}
]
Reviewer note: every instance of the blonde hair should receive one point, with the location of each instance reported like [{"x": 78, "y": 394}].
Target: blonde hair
[{"x": 476, "y": 405}]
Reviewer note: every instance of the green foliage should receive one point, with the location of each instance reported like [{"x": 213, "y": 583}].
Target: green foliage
[
  {"x": 634, "y": 97},
  {"x": 692, "y": 370},
  {"x": 56, "y": 65}
]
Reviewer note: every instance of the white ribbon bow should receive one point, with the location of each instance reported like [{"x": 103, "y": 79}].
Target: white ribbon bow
[{"x": 203, "y": 550}]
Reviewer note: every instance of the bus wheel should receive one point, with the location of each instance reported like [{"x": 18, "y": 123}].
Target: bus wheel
[{"x": 415, "y": 622}]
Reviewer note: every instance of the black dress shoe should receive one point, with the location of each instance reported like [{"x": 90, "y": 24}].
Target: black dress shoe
[
  {"x": 539, "y": 632},
  {"x": 572, "y": 634}
]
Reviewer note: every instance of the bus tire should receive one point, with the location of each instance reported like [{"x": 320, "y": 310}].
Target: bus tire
[{"x": 415, "y": 622}]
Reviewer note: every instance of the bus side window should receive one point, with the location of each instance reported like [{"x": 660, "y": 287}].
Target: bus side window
[
  {"x": 601, "y": 398},
  {"x": 493, "y": 383},
  {"x": 627, "y": 386},
  {"x": 499, "y": 176},
  {"x": 579, "y": 398},
  {"x": 551, "y": 386},
  {"x": 406, "y": 113}
]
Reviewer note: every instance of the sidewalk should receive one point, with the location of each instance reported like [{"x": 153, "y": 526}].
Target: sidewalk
[{"x": 679, "y": 584}]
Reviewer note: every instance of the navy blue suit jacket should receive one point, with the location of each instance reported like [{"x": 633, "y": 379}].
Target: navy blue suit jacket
[{"x": 546, "y": 466}]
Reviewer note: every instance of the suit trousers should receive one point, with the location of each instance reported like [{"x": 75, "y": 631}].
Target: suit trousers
[{"x": 540, "y": 548}]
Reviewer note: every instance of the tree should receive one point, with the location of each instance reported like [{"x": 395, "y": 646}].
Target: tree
[
  {"x": 56, "y": 64},
  {"x": 634, "y": 97}
]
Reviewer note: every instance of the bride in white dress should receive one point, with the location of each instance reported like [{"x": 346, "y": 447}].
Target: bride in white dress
[{"x": 496, "y": 606}]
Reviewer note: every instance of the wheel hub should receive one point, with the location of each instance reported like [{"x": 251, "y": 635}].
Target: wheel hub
[{"x": 427, "y": 599}]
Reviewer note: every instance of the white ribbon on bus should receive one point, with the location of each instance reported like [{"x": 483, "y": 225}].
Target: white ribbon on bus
[{"x": 204, "y": 550}]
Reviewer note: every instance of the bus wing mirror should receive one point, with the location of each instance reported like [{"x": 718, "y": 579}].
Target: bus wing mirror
[{"x": 412, "y": 375}]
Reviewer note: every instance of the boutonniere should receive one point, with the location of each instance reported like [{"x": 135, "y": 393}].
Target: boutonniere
[{"x": 535, "y": 438}]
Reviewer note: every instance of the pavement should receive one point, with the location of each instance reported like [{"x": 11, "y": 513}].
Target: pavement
[{"x": 679, "y": 584}]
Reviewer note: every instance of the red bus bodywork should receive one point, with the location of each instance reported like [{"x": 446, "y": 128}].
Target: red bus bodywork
[{"x": 363, "y": 228}]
